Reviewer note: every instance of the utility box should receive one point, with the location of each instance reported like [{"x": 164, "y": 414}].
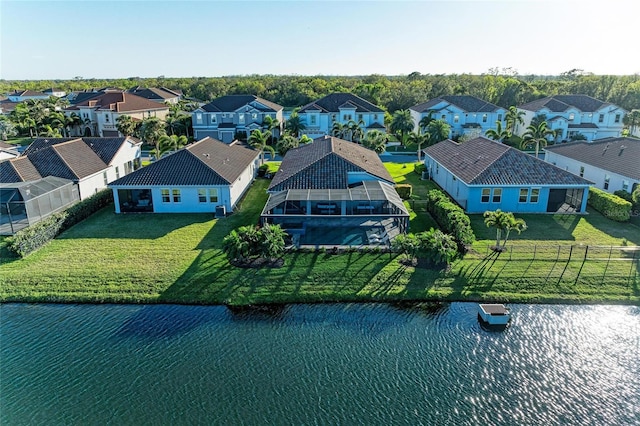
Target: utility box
[{"x": 221, "y": 211}]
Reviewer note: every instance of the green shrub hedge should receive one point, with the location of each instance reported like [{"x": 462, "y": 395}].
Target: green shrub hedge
[
  {"x": 610, "y": 205},
  {"x": 404, "y": 190},
  {"x": 85, "y": 208},
  {"x": 451, "y": 218},
  {"x": 419, "y": 168}
]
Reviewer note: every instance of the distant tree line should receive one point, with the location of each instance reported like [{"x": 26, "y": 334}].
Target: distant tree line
[{"x": 393, "y": 93}]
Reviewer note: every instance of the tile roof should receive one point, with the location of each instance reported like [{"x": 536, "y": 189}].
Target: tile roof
[
  {"x": 206, "y": 162},
  {"x": 333, "y": 102},
  {"x": 560, "y": 103},
  {"x": 18, "y": 170},
  {"x": 618, "y": 155},
  {"x": 154, "y": 93},
  {"x": 325, "y": 163},
  {"x": 481, "y": 161},
  {"x": 466, "y": 103},
  {"x": 105, "y": 148},
  {"x": 121, "y": 102},
  {"x": 72, "y": 160},
  {"x": 27, "y": 93},
  {"x": 231, "y": 103}
]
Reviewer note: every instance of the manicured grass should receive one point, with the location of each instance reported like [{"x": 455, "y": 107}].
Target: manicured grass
[
  {"x": 177, "y": 259},
  {"x": 19, "y": 141}
]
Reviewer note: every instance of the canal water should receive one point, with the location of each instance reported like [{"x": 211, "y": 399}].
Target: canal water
[{"x": 318, "y": 365}]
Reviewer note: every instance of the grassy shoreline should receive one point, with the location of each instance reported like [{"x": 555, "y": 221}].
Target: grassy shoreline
[{"x": 167, "y": 258}]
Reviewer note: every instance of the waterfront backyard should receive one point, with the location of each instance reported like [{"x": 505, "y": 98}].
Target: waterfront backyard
[{"x": 178, "y": 259}]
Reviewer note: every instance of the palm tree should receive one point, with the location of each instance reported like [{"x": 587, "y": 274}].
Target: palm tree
[
  {"x": 376, "y": 141},
  {"x": 286, "y": 143},
  {"x": 173, "y": 142},
  {"x": 259, "y": 140},
  {"x": 354, "y": 131},
  {"x": 536, "y": 136},
  {"x": 126, "y": 125},
  {"x": 72, "y": 121},
  {"x": 295, "y": 125},
  {"x": 271, "y": 124},
  {"x": 503, "y": 222},
  {"x": 339, "y": 130},
  {"x": 419, "y": 139},
  {"x": 514, "y": 117},
  {"x": 163, "y": 145},
  {"x": 424, "y": 121},
  {"x": 151, "y": 129},
  {"x": 632, "y": 120},
  {"x": 401, "y": 124},
  {"x": 49, "y": 132},
  {"x": 498, "y": 134},
  {"x": 438, "y": 131}
]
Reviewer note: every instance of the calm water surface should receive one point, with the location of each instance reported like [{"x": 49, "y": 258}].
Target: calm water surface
[{"x": 317, "y": 365}]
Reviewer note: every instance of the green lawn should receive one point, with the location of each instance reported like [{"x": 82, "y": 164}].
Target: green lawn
[
  {"x": 177, "y": 259},
  {"x": 19, "y": 141}
]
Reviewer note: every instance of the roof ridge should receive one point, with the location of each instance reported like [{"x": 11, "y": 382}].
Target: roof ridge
[
  {"x": 491, "y": 163},
  {"x": 53, "y": 147}
]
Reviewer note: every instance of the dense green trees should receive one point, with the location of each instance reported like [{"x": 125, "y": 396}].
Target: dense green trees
[{"x": 401, "y": 125}]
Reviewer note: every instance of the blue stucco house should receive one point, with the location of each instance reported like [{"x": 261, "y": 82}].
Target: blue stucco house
[{"x": 482, "y": 175}]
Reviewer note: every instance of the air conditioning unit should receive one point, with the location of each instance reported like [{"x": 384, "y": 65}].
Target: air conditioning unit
[{"x": 221, "y": 211}]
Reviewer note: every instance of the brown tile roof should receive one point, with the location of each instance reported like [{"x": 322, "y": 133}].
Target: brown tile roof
[
  {"x": 72, "y": 160},
  {"x": 105, "y": 148},
  {"x": 206, "y": 162},
  {"x": 325, "y": 163},
  {"x": 618, "y": 155},
  {"x": 18, "y": 170},
  {"x": 121, "y": 102},
  {"x": 482, "y": 161}
]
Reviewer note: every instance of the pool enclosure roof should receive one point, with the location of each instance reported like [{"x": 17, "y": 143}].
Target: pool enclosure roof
[
  {"x": 35, "y": 188},
  {"x": 367, "y": 191}
]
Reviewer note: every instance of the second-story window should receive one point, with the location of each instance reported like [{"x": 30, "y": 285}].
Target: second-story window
[
  {"x": 456, "y": 118},
  {"x": 617, "y": 120},
  {"x": 106, "y": 118},
  {"x": 572, "y": 116},
  {"x": 601, "y": 118},
  {"x": 241, "y": 118},
  {"x": 312, "y": 120},
  {"x": 499, "y": 117},
  {"x": 484, "y": 118},
  {"x": 214, "y": 119}
]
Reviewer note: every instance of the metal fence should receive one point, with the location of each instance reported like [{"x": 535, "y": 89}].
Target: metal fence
[{"x": 565, "y": 253}]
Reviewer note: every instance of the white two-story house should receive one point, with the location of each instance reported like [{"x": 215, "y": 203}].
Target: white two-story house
[
  {"x": 319, "y": 116},
  {"x": 465, "y": 114},
  {"x": 570, "y": 115},
  {"x": 100, "y": 113},
  {"x": 228, "y": 117}
]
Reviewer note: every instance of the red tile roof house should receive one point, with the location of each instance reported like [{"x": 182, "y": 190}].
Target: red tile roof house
[
  {"x": 207, "y": 176},
  {"x": 101, "y": 112},
  {"x": 333, "y": 192}
]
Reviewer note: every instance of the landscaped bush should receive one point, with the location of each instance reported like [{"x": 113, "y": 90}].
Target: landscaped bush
[
  {"x": 35, "y": 236},
  {"x": 85, "y": 208},
  {"x": 624, "y": 195},
  {"x": 419, "y": 168},
  {"x": 433, "y": 245},
  {"x": 451, "y": 218},
  {"x": 404, "y": 190},
  {"x": 262, "y": 170},
  {"x": 611, "y": 206},
  {"x": 254, "y": 246}
]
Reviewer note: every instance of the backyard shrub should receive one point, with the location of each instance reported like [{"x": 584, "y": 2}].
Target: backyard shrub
[
  {"x": 624, "y": 195},
  {"x": 250, "y": 242},
  {"x": 437, "y": 247},
  {"x": 262, "y": 170},
  {"x": 35, "y": 236},
  {"x": 404, "y": 190},
  {"x": 451, "y": 218},
  {"x": 611, "y": 206},
  {"x": 419, "y": 168},
  {"x": 85, "y": 208}
]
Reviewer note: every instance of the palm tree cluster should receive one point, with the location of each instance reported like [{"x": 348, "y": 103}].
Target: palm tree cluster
[
  {"x": 504, "y": 222},
  {"x": 250, "y": 242},
  {"x": 43, "y": 117}
]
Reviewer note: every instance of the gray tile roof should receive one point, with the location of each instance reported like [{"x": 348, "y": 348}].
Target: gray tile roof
[
  {"x": 324, "y": 164},
  {"x": 466, "y": 103},
  {"x": 231, "y": 103},
  {"x": 105, "y": 148},
  {"x": 72, "y": 160},
  {"x": 482, "y": 161},
  {"x": 206, "y": 162},
  {"x": 618, "y": 155},
  {"x": 333, "y": 102},
  {"x": 560, "y": 103}
]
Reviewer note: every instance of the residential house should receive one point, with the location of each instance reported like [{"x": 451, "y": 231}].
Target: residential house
[
  {"x": 90, "y": 163},
  {"x": 612, "y": 163},
  {"x": 6, "y": 106},
  {"x": 570, "y": 115},
  {"x": 207, "y": 176},
  {"x": 226, "y": 117},
  {"x": 481, "y": 174},
  {"x": 319, "y": 116},
  {"x": 335, "y": 192},
  {"x": 58, "y": 93},
  {"x": 23, "y": 95},
  {"x": 8, "y": 151},
  {"x": 100, "y": 113},
  {"x": 465, "y": 114},
  {"x": 157, "y": 94}
]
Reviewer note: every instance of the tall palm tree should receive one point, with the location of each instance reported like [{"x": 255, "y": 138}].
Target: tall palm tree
[
  {"x": 286, "y": 143},
  {"x": 271, "y": 123},
  {"x": 354, "y": 131},
  {"x": 339, "y": 130},
  {"x": 514, "y": 117},
  {"x": 401, "y": 124},
  {"x": 419, "y": 139},
  {"x": 151, "y": 129},
  {"x": 536, "y": 136},
  {"x": 295, "y": 125},
  {"x": 503, "y": 222},
  {"x": 126, "y": 125},
  {"x": 72, "y": 121},
  {"x": 438, "y": 131},
  {"x": 376, "y": 141},
  {"x": 424, "y": 121},
  {"x": 498, "y": 134},
  {"x": 173, "y": 142},
  {"x": 259, "y": 140}
]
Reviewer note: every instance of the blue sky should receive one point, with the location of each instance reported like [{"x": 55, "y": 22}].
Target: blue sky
[{"x": 95, "y": 39}]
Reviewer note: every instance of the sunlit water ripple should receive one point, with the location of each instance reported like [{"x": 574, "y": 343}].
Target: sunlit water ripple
[{"x": 318, "y": 365}]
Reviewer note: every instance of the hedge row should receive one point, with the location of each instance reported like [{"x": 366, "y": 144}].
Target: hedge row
[
  {"x": 610, "y": 205},
  {"x": 35, "y": 236},
  {"x": 451, "y": 218}
]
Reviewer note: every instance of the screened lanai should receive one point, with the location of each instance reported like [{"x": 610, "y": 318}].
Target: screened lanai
[
  {"x": 25, "y": 203},
  {"x": 370, "y": 204}
]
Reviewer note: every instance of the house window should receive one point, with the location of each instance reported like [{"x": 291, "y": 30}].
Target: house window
[
  {"x": 499, "y": 117},
  {"x": 437, "y": 168},
  {"x": 214, "y": 119},
  {"x": 333, "y": 117},
  {"x": 601, "y": 118},
  {"x": 484, "y": 118},
  {"x": 444, "y": 117},
  {"x": 456, "y": 118},
  {"x": 607, "y": 178},
  {"x": 117, "y": 173},
  {"x": 535, "y": 194},
  {"x": 485, "y": 195},
  {"x": 347, "y": 117},
  {"x": 241, "y": 118},
  {"x": 199, "y": 118},
  {"x": 497, "y": 195},
  {"x": 375, "y": 116},
  {"x": 313, "y": 120},
  {"x": 202, "y": 195},
  {"x": 176, "y": 195},
  {"x": 106, "y": 118},
  {"x": 359, "y": 117},
  {"x": 625, "y": 185},
  {"x": 254, "y": 116},
  {"x": 571, "y": 116},
  {"x": 213, "y": 195},
  {"x": 165, "y": 196},
  {"x": 104, "y": 177},
  {"x": 524, "y": 194},
  {"x": 581, "y": 171},
  {"x": 617, "y": 120}
]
